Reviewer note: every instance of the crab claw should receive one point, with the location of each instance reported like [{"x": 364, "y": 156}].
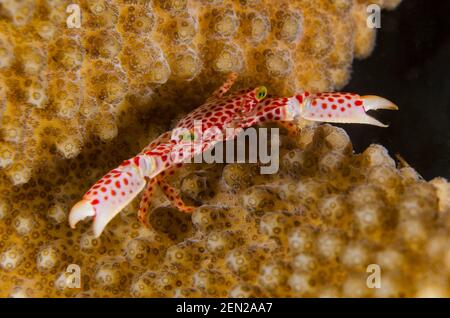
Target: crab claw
[
  {"x": 108, "y": 196},
  {"x": 371, "y": 102},
  {"x": 84, "y": 209},
  {"x": 80, "y": 211},
  {"x": 345, "y": 108}
]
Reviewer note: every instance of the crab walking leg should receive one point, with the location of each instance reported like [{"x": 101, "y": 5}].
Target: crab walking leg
[
  {"x": 106, "y": 198},
  {"x": 218, "y": 93},
  {"x": 187, "y": 151},
  {"x": 145, "y": 200},
  {"x": 174, "y": 196},
  {"x": 291, "y": 128},
  {"x": 148, "y": 193}
]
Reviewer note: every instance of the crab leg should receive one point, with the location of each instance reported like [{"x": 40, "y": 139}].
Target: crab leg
[
  {"x": 106, "y": 198},
  {"x": 324, "y": 107},
  {"x": 169, "y": 191},
  {"x": 344, "y": 108},
  {"x": 115, "y": 190},
  {"x": 145, "y": 201},
  {"x": 231, "y": 78},
  {"x": 174, "y": 196},
  {"x": 291, "y": 128}
]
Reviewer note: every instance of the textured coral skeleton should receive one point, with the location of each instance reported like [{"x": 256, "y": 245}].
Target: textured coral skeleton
[
  {"x": 61, "y": 87},
  {"x": 220, "y": 112},
  {"x": 67, "y": 97}
]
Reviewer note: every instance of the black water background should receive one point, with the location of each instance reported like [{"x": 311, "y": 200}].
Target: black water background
[{"x": 410, "y": 66}]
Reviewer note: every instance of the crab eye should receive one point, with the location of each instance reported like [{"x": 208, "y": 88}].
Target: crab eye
[{"x": 261, "y": 92}]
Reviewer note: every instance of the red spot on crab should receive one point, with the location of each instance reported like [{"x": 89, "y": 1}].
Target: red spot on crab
[
  {"x": 95, "y": 202},
  {"x": 358, "y": 103},
  {"x": 324, "y": 106},
  {"x": 118, "y": 184},
  {"x": 125, "y": 181}
]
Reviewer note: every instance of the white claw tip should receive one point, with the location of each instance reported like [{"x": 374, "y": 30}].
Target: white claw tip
[
  {"x": 80, "y": 211},
  {"x": 372, "y": 102}
]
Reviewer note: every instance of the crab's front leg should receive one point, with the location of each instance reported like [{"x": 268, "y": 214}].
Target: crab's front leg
[
  {"x": 323, "y": 107},
  {"x": 108, "y": 196},
  {"x": 340, "y": 108}
]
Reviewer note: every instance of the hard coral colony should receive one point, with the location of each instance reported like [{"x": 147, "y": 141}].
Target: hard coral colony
[{"x": 309, "y": 230}]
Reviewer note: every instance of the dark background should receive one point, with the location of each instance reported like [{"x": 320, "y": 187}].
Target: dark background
[{"x": 411, "y": 67}]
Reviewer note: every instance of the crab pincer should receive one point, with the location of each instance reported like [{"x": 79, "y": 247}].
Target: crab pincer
[
  {"x": 344, "y": 108},
  {"x": 112, "y": 193}
]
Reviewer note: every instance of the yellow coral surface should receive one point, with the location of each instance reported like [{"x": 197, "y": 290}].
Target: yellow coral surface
[
  {"x": 62, "y": 85},
  {"x": 76, "y": 102},
  {"x": 312, "y": 229}
]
